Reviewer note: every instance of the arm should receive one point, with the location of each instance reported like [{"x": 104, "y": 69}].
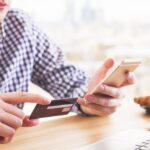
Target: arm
[
  {"x": 53, "y": 73},
  {"x": 60, "y": 79}
]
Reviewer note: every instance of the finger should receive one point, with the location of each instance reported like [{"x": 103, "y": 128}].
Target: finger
[
  {"x": 105, "y": 67},
  {"x": 94, "y": 109},
  {"x": 103, "y": 101},
  {"x": 82, "y": 101},
  {"x": 6, "y": 132},
  {"x": 12, "y": 109},
  {"x": 130, "y": 79},
  {"x": 29, "y": 123},
  {"x": 7, "y": 139},
  {"x": 100, "y": 74},
  {"x": 18, "y": 97},
  {"x": 109, "y": 91},
  {"x": 2, "y": 140},
  {"x": 10, "y": 120}
]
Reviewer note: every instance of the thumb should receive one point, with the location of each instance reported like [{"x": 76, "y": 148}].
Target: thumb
[
  {"x": 102, "y": 71},
  {"x": 21, "y": 97},
  {"x": 100, "y": 74},
  {"x": 29, "y": 123}
]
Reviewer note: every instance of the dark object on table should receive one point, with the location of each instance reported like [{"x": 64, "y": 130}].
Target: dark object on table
[
  {"x": 144, "y": 102},
  {"x": 147, "y": 108}
]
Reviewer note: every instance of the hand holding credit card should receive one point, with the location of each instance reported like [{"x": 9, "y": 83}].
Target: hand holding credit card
[{"x": 55, "y": 108}]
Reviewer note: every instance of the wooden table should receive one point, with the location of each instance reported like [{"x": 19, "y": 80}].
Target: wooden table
[{"x": 72, "y": 132}]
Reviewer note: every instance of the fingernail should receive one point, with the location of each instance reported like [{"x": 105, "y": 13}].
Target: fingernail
[
  {"x": 47, "y": 100},
  {"x": 102, "y": 87},
  {"x": 82, "y": 101}
]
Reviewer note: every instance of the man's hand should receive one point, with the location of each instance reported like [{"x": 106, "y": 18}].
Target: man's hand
[
  {"x": 108, "y": 98},
  {"x": 12, "y": 118}
]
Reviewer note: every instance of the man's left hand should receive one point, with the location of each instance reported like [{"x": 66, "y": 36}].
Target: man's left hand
[{"x": 108, "y": 98}]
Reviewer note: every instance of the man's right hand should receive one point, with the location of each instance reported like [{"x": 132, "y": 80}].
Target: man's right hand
[{"x": 11, "y": 117}]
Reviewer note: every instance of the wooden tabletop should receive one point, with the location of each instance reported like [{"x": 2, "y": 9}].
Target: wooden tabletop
[{"x": 72, "y": 132}]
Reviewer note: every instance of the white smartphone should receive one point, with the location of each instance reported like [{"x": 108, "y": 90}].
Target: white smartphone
[{"x": 117, "y": 76}]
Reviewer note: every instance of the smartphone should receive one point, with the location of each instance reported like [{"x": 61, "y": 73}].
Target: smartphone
[{"x": 117, "y": 75}]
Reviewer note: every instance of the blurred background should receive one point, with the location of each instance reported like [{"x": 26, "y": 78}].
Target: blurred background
[{"x": 89, "y": 31}]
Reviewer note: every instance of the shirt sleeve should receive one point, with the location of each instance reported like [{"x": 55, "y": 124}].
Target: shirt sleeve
[{"x": 52, "y": 73}]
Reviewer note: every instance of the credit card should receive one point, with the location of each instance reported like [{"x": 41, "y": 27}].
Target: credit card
[{"x": 55, "y": 108}]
